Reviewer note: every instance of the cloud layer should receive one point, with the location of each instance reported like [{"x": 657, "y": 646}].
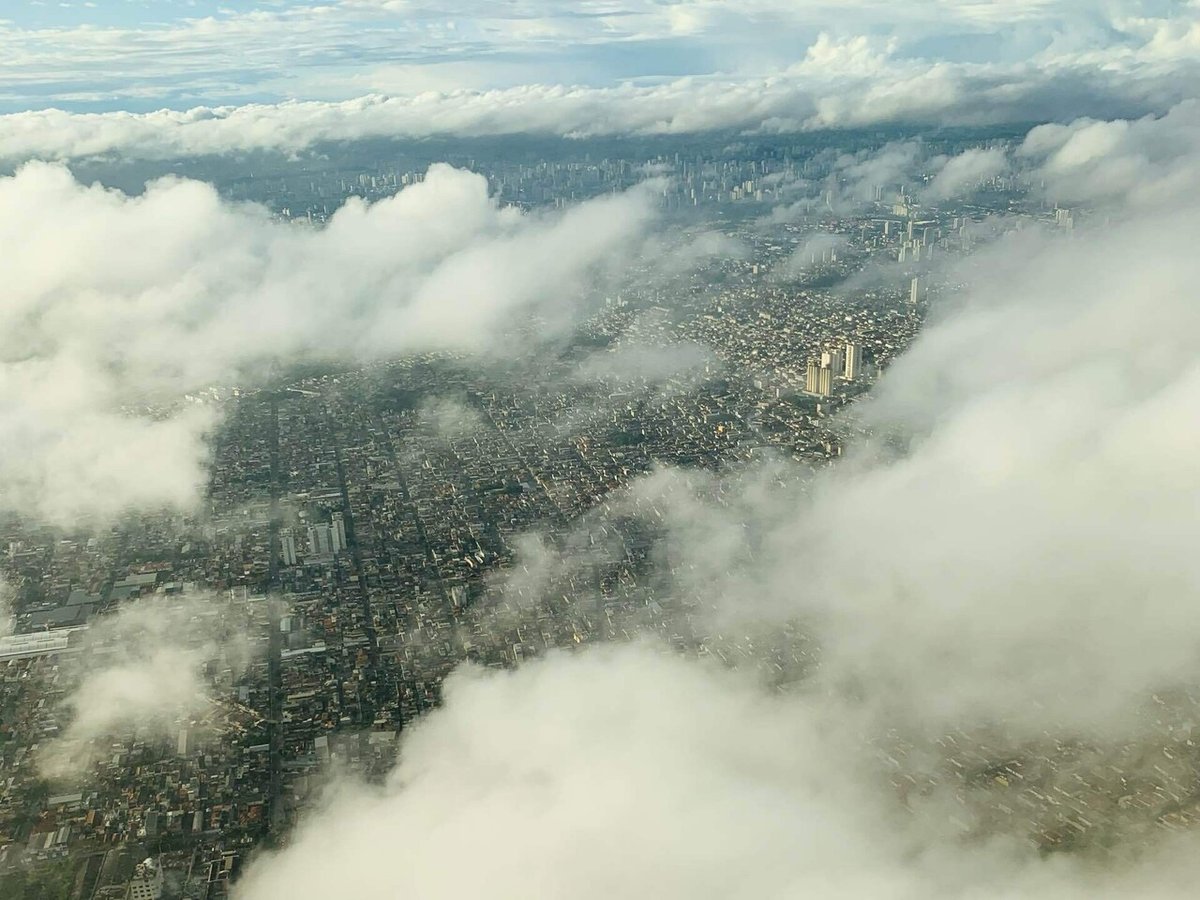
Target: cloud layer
[
  {"x": 115, "y": 306},
  {"x": 1000, "y": 572},
  {"x": 1147, "y": 163},
  {"x": 802, "y": 97},
  {"x": 627, "y": 772},
  {"x": 1013, "y": 545},
  {"x": 104, "y": 58},
  {"x": 272, "y": 79},
  {"x": 141, "y": 669}
]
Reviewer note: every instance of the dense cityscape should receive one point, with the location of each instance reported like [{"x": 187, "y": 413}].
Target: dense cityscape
[
  {"x": 362, "y": 525},
  {"x": 673, "y": 449}
]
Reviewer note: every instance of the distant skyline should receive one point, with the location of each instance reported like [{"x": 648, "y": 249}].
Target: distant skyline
[{"x": 142, "y": 55}]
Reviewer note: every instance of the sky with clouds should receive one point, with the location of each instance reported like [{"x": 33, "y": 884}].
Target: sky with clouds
[
  {"x": 165, "y": 78},
  {"x": 141, "y": 55}
]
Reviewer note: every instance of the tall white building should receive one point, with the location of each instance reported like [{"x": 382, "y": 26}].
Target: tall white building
[
  {"x": 818, "y": 380},
  {"x": 812, "y": 377},
  {"x": 834, "y": 360},
  {"x": 853, "y": 365},
  {"x": 914, "y": 291}
]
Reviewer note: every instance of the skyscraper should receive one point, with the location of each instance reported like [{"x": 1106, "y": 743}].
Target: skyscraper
[
  {"x": 834, "y": 360},
  {"x": 853, "y": 361},
  {"x": 812, "y": 379},
  {"x": 818, "y": 380},
  {"x": 914, "y": 291}
]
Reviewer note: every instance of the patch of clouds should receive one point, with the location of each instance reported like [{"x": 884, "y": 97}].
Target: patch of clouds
[
  {"x": 341, "y": 49},
  {"x": 966, "y": 171},
  {"x": 334, "y": 72},
  {"x": 678, "y": 254},
  {"x": 450, "y": 418},
  {"x": 117, "y": 306},
  {"x": 598, "y": 774},
  {"x": 981, "y": 573},
  {"x": 677, "y": 362},
  {"x": 143, "y": 669},
  {"x": 1147, "y": 162},
  {"x": 784, "y": 102},
  {"x": 818, "y": 248}
]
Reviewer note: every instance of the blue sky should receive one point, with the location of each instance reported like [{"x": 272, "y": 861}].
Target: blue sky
[
  {"x": 146, "y": 54},
  {"x": 124, "y": 13}
]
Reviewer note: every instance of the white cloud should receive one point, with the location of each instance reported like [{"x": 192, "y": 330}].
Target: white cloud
[
  {"x": 1148, "y": 163},
  {"x": 819, "y": 247},
  {"x": 911, "y": 92},
  {"x": 967, "y": 170},
  {"x": 623, "y": 772},
  {"x": 1021, "y": 561},
  {"x": 141, "y": 669},
  {"x": 679, "y": 363},
  {"x": 323, "y": 50},
  {"x": 75, "y": 452},
  {"x": 286, "y": 79},
  {"x": 450, "y": 418},
  {"x": 114, "y": 303},
  {"x": 596, "y": 776}
]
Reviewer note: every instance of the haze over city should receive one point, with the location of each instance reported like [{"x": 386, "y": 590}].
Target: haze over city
[{"x": 683, "y": 449}]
